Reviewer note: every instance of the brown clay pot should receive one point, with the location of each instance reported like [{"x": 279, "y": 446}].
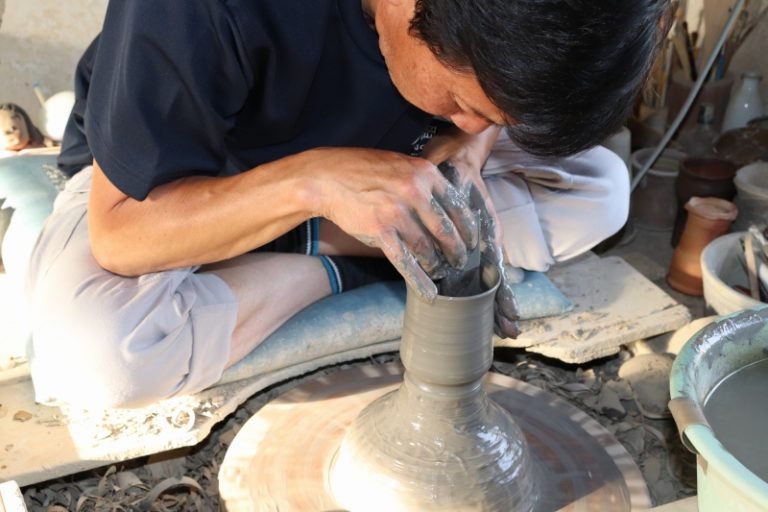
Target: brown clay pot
[
  {"x": 701, "y": 177},
  {"x": 708, "y": 218}
]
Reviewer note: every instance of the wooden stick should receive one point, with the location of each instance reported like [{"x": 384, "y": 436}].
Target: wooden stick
[
  {"x": 754, "y": 287},
  {"x": 682, "y": 53},
  {"x": 715, "y": 15}
]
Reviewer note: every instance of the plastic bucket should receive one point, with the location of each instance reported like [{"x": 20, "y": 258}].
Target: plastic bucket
[
  {"x": 752, "y": 185},
  {"x": 653, "y": 203},
  {"x": 720, "y": 271},
  {"x": 714, "y": 353}
]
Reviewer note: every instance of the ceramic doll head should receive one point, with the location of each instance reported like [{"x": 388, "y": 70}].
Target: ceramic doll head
[{"x": 16, "y": 129}]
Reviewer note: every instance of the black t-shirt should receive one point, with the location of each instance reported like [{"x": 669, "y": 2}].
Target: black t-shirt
[{"x": 212, "y": 87}]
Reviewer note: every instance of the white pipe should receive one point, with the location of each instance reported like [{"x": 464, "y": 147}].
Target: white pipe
[{"x": 691, "y": 96}]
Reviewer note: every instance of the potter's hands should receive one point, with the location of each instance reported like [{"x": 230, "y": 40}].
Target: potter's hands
[
  {"x": 400, "y": 204},
  {"x": 462, "y": 157},
  {"x": 492, "y": 260}
]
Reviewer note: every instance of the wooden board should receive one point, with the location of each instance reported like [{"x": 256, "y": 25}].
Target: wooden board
[{"x": 614, "y": 304}]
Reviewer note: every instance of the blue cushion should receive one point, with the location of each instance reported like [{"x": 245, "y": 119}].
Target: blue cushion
[
  {"x": 538, "y": 297},
  {"x": 337, "y": 324},
  {"x": 366, "y": 317},
  {"x": 29, "y": 190}
]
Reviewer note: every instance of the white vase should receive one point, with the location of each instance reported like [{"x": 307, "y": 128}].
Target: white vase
[{"x": 745, "y": 103}]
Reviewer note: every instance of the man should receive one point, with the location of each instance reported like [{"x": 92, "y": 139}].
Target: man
[{"x": 231, "y": 149}]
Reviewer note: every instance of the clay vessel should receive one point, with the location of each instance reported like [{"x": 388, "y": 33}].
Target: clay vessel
[
  {"x": 752, "y": 195},
  {"x": 701, "y": 177},
  {"x": 715, "y": 92},
  {"x": 652, "y": 204},
  {"x": 745, "y": 103},
  {"x": 708, "y": 218},
  {"x": 438, "y": 443}
]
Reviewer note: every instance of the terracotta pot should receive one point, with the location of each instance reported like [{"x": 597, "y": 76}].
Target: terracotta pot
[
  {"x": 701, "y": 177},
  {"x": 708, "y": 218}
]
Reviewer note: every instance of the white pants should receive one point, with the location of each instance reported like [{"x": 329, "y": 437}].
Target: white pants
[{"x": 556, "y": 208}]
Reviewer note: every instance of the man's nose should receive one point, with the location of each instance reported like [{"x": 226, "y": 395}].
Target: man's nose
[{"x": 470, "y": 123}]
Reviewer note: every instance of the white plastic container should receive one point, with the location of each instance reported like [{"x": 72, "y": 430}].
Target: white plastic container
[
  {"x": 752, "y": 199},
  {"x": 745, "y": 103},
  {"x": 720, "y": 270}
]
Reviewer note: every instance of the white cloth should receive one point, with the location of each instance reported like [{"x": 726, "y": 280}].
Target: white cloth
[{"x": 552, "y": 209}]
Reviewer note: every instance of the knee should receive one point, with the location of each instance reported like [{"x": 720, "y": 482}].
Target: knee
[
  {"x": 90, "y": 355},
  {"x": 101, "y": 340},
  {"x": 83, "y": 370}
]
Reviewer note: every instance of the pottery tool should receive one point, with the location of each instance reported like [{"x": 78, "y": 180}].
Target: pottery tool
[
  {"x": 757, "y": 266},
  {"x": 749, "y": 251},
  {"x": 760, "y": 237},
  {"x": 689, "y": 52},
  {"x": 716, "y": 13},
  {"x": 681, "y": 50}
]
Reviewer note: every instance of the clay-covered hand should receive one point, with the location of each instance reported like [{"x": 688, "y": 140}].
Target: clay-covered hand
[
  {"x": 492, "y": 261},
  {"x": 400, "y": 204}
]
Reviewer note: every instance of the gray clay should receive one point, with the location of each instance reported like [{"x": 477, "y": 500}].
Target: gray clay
[{"x": 438, "y": 442}]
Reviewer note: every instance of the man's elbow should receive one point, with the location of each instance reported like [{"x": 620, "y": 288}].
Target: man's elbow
[{"x": 112, "y": 256}]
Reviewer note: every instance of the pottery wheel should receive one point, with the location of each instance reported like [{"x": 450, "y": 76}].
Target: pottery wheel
[{"x": 280, "y": 459}]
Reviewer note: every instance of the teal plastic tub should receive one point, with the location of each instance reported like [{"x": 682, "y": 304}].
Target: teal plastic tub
[{"x": 715, "y": 352}]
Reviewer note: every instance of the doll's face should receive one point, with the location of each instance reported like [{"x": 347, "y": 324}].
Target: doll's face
[{"x": 14, "y": 133}]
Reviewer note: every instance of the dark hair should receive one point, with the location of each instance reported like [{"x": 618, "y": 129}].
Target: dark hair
[
  {"x": 565, "y": 72},
  {"x": 35, "y": 136}
]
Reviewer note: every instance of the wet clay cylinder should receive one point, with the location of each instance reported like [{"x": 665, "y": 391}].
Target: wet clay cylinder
[{"x": 438, "y": 442}]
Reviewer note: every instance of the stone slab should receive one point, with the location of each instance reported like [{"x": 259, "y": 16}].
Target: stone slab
[{"x": 614, "y": 304}]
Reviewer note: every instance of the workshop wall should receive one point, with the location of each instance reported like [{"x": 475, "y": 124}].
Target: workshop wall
[
  {"x": 40, "y": 43},
  {"x": 751, "y": 55}
]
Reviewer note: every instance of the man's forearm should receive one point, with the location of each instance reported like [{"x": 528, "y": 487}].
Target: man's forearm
[{"x": 197, "y": 220}]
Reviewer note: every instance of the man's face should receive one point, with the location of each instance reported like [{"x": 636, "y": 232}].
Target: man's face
[
  {"x": 14, "y": 134},
  {"x": 423, "y": 80}
]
